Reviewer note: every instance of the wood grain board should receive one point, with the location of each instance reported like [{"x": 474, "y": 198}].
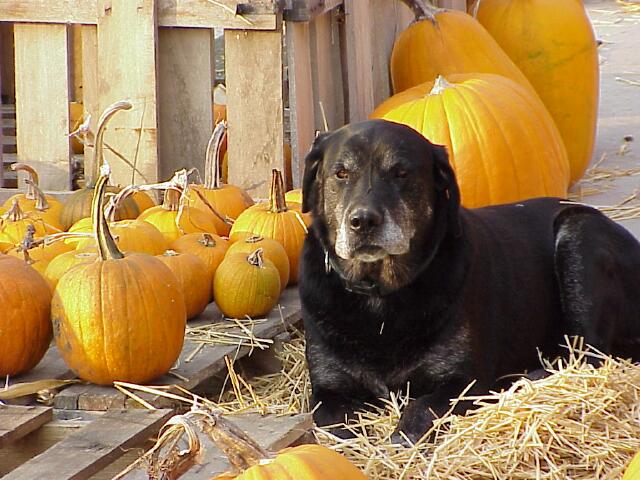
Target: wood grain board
[{"x": 18, "y": 421}]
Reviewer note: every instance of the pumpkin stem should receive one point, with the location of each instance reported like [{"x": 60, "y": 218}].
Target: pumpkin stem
[
  {"x": 27, "y": 243},
  {"x": 212, "y": 157},
  {"x": 171, "y": 199},
  {"x": 253, "y": 239},
  {"x": 41, "y": 201},
  {"x": 207, "y": 203},
  {"x": 422, "y": 10},
  {"x": 15, "y": 213},
  {"x": 241, "y": 451},
  {"x": 277, "y": 203},
  {"x": 440, "y": 85},
  {"x": 256, "y": 258},
  {"x": 106, "y": 244},
  {"x": 98, "y": 153},
  {"x": 32, "y": 178},
  {"x": 207, "y": 240}
]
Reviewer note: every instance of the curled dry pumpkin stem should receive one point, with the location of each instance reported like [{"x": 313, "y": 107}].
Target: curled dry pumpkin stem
[
  {"x": 277, "y": 202},
  {"x": 212, "y": 157},
  {"x": 257, "y": 258},
  {"x": 27, "y": 243},
  {"x": 15, "y": 213},
  {"x": 422, "y": 10},
  {"x": 98, "y": 151},
  {"x": 207, "y": 240},
  {"x": 32, "y": 178},
  {"x": 42, "y": 204},
  {"x": 253, "y": 239},
  {"x": 440, "y": 85}
]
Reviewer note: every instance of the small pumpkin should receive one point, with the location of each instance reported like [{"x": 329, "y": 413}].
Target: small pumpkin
[
  {"x": 25, "y": 324},
  {"x": 130, "y": 235},
  {"x": 78, "y": 204},
  {"x": 252, "y": 462},
  {"x": 62, "y": 263},
  {"x": 442, "y": 42},
  {"x": 120, "y": 317},
  {"x": 274, "y": 219},
  {"x": 246, "y": 285},
  {"x": 143, "y": 200},
  {"x": 553, "y": 44},
  {"x": 502, "y": 143},
  {"x": 194, "y": 278},
  {"x": 14, "y": 224},
  {"x": 225, "y": 202},
  {"x": 210, "y": 248},
  {"x": 174, "y": 220},
  {"x": 29, "y": 199},
  {"x": 272, "y": 251}
]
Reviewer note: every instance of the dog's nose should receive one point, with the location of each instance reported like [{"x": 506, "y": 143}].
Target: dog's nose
[{"x": 364, "y": 219}]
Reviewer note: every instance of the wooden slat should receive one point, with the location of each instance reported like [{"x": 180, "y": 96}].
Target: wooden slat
[
  {"x": 87, "y": 451},
  {"x": 307, "y": 10},
  {"x": 171, "y": 13},
  {"x": 270, "y": 432},
  {"x": 206, "y": 365},
  {"x": 185, "y": 82},
  {"x": 18, "y": 421},
  {"x": 127, "y": 61},
  {"x": 302, "y": 108},
  {"x": 327, "y": 72},
  {"x": 90, "y": 90},
  {"x": 254, "y": 108},
  {"x": 42, "y": 102}
]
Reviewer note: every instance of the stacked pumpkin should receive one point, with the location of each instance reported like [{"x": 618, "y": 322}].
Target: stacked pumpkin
[{"x": 514, "y": 103}]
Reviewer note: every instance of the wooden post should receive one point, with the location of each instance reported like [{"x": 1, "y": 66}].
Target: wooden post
[
  {"x": 90, "y": 98},
  {"x": 453, "y": 4},
  {"x": 127, "y": 65},
  {"x": 301, "y": 104},
  {"x": 42, "y": 102},
  {"x": 254, "y": 107},
  {"x": 185, "y": 98}
]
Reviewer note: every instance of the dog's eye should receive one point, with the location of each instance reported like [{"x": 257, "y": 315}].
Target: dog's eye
[
  {"x": 342, "y": 174},
  {"x": 401, "y": 173}
]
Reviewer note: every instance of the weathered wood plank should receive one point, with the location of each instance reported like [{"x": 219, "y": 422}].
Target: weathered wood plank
[
  {"x": 18, "y": 421},
  {"x": 42, "y": 102},
  {"x": 307, "y": 10},
  {"x": 254, "y": 108},
  {"x": 127, "y": 65},
  {"x": 186, "y": 80},
  {"x": 205, "y": 363},
  {"x": 326, "y": 64},
  {"x": 302, "y": 108},
  {"x": 90, "y": 96},
  {"x": 453, "y": 4},
  {"x": 87, "y": 451},
  {"x": 171, "y": 13},
  {"x": 270, "y": 432}
]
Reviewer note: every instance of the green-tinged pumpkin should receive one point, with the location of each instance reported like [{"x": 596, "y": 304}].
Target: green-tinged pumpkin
[
  {"x": 442, "y": 42},
  {"x": 25, "y": 324},
  {"x": 174, "y": 220},
  {"x": 193, "y": 277},
  {"x": 120, "y": 317},
  {"x": 275, "y": 219},
  {"x": 223, "y": 201},
  {"x": 246, "y": 285},
  {"x": 78, "y": 204},
  {"x": 272, "y": 251},
  {"x": 502, "y": 143},
  {"x": 553, "y": 44}
]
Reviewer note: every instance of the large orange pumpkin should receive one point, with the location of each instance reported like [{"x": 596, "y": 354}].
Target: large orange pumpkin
[
  {"x": 442, "y": 42},
  {"x": 224, "y": 201},
  {"x": 121, "y": 317},
  {"x": 274, "y": 219},
  {"x": 246, "y": 285},
  {"x": 501, "y": 141},
  {"x": 553, "y": 43},
  {"x": 25, "y": 325},
  {"x": 193, "y": 277}
]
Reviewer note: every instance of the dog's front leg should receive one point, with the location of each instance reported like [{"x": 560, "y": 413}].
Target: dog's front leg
[
  {"x": 331, "y": 408},
  {"x": 420, "y": 413}
]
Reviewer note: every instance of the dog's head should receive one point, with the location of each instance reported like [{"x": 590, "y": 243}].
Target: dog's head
[{"x": 373, "y": 189}]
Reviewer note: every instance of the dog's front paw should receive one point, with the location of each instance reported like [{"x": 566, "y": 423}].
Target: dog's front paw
[{"x": 415, "y": 421}]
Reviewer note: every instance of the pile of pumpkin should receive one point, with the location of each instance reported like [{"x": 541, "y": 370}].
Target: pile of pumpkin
[
  {"x": 122, "y": 316},
  {"x": 510, "y": 88}
]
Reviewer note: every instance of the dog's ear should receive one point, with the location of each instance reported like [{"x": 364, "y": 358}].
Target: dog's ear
[
  {"x": 312, "y": 164},
  {"x": 447, "y": 186}
]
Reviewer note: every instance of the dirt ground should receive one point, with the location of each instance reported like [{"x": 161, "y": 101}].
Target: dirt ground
[{"x": 619, "y": 31}]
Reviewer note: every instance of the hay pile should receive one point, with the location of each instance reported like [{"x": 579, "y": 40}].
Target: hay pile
[{"x": 579, "y": 423}]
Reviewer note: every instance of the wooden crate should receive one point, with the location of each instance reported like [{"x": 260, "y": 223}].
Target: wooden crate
[
  {"x": 279, "y": 56},
  {"x": 41, "y": 442}
]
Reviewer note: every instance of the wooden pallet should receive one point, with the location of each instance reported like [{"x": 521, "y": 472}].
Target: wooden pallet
[
  {"x": 200, "y": 368},
  {"x": 40, "y": 442}
]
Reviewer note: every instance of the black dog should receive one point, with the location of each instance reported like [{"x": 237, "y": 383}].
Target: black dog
[{"x": 400, "y": 284}]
